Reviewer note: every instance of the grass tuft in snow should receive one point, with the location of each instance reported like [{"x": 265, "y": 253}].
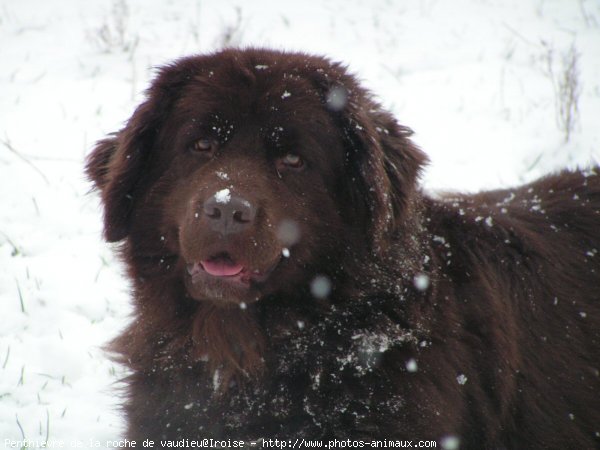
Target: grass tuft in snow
[
  {"x": 21, "y": 429},
  {"x": 6, "y": 358},
  {"x": 6, "y": 142},
  {"x": 232, "y": 34},
  {"x": 47, "y": 425},
  {"x": 16, "y": 251},
  {"x": 104, "y": 264},
  {"x": 22, "y": 377},
  {"x": 35, "y": 205},
  {"x": 20, "y": 297},
  {"x": 566, "y": 85},
  {"x": 114, "y": 35}
]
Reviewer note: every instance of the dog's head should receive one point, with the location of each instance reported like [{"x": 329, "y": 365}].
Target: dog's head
[{"x": 248, "y": 172}]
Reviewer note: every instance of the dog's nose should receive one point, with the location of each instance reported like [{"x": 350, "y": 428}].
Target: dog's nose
[{"x": 227, "y": 213}]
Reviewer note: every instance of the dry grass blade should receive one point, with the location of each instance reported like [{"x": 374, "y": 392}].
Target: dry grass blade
[{"x": 6, "y": 142}]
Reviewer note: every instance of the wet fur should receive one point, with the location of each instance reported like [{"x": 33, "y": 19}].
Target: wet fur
[{"x": 513, "y": 302}]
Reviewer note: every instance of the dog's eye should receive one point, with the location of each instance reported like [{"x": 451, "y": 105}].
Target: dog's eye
[
  {"x": 203, "y": 145},
  {"x": 292, "y": 160}
]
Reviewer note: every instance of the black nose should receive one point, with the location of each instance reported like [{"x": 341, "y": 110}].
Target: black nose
[{"x": 227, "y": 213}]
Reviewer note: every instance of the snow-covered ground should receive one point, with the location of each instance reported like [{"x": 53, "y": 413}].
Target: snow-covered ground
[{"x": 478, "y": 80}]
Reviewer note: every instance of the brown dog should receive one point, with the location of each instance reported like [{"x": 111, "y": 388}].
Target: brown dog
[{"x": 291, "y": 280}]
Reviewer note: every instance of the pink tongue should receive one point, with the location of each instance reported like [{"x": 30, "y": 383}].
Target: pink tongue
[{"x": 221, "y": 268}]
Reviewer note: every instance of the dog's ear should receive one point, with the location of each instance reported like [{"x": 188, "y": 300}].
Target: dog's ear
[
  {"x": 118, "y": 163},
  {"x": 96, "y": 167},
  {"x": 388, "y": 164},
  {"x": 381, "y": 158}
]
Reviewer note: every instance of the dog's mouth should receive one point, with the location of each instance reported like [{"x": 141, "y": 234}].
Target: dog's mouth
[{"x": 223, "y": 268}]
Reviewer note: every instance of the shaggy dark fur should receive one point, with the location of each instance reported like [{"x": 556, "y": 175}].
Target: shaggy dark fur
[{"x": 291, "y": 280}]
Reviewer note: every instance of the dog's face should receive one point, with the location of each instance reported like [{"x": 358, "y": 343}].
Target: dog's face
[
  {"x": 242, "y": 180},
  {"x": 247, "y": 173}
]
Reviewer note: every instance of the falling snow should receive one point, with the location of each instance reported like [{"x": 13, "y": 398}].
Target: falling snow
[
  {"x": 337, "y": 98},
  {"x": 421, "y": 281},
  {"x": 288, "y": 232},
  {"x": 411, "y": 365},
  {"x": 320, "y": 286},
  {"x": 450, "y": 443}
]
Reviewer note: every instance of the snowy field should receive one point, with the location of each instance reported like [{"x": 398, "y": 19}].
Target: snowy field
[{"x": 498, "y": 92}]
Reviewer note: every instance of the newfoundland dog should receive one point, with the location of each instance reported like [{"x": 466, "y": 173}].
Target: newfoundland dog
[{"x": 292, "y": 281}]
